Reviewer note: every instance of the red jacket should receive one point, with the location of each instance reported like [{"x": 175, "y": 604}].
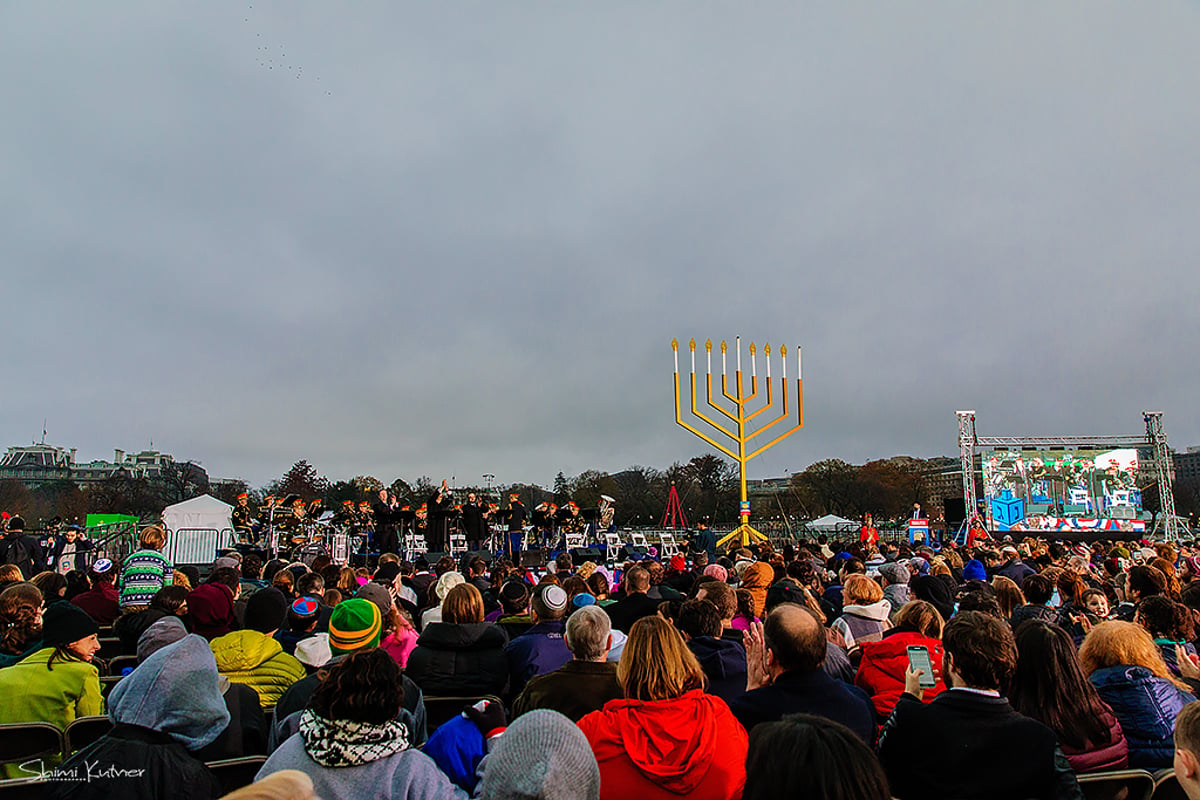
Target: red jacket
[
  {"x": 101, "y": 604},
  {"x": 868, "y": 534},
  {"x": 884, "y": 663},
  {"x": 691, "y": 747}
]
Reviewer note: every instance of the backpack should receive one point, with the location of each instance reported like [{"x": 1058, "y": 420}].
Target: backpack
[{"x": 18, "y": 553}]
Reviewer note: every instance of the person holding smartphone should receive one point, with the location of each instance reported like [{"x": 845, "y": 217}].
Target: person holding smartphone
[
  {"x": 915, "y": 643},
  {"x": 968, "y": 725}
]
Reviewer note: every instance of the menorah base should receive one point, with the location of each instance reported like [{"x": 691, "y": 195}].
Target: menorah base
[{"x": 745, "y": 532}]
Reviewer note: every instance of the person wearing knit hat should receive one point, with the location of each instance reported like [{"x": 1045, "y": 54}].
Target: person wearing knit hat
[
  {"x": 718, "y": 572},
  {"x": 541, "y": 756},
  {"x": 378, "y": 595},
  {"x": 677, "y": 563},
  {"x": 57, "y": 683},
  {"x": 66, "y": 626},
  {"x": 165, "y": 713},
  {"x": 253, "y": 657},
  {"x": 314, "y": 652},
  {"x": 266, "y": 610},
  {"x": 356, "y": 623},
  {"x": 158, "y": 635},
  {"x": 445, "y": 583},
  {"x": 974, "y": 570}
]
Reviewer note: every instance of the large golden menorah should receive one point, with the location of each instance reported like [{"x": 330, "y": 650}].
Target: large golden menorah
[{"x": 739, "y": 416}]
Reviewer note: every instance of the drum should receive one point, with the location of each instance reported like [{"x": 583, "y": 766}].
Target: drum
[{"x": 307, "y": 553}]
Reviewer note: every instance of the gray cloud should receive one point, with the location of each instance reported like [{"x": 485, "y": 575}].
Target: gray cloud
[{"x": 462, "y": 239}]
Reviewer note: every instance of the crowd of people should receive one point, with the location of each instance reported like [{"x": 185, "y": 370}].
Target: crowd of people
[{"x": 857, "y": 670}]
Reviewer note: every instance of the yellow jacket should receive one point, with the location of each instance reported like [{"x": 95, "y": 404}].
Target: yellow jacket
[{"x": 258, "y": 661}]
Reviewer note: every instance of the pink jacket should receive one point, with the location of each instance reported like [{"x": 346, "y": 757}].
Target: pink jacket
[{"x": 399, "y": 643}]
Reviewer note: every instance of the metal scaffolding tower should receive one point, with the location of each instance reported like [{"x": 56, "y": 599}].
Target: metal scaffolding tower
[
  {"x": 966, "y": 447},
  {"x": 1164, "y": 474},
  {"x": 1155, "y": 438}
]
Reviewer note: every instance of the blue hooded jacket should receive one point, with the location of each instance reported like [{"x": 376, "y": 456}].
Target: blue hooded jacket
[
  {"x": 175, "y": 692},
  {"x": 163, "y": 711},
  {"x": 724, "y": 664},
  {"x": 1146, "y": 706}
]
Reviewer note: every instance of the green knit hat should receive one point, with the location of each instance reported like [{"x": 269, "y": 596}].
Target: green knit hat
[{"x": 354, "y": 624}]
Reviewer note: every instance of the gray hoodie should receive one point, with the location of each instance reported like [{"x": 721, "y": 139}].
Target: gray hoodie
[{"x": 174, "y": 691}]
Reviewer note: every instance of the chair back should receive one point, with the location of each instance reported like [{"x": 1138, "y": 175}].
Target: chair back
[
  {"x": 444, "y": 709},
  {"x": 84, "y": 731},
  {"x": 32, "y": 788},
  {"x": 117, "y": 664},
  {"x": 234, "y": 773},
  {"x": 30, "y": 741},
  {"x": 1122, "y": 784},
  {"x": 1166, "y": 786}
]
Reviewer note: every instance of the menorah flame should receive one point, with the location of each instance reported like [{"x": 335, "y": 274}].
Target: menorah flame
[{"x": 739, "y": 417}]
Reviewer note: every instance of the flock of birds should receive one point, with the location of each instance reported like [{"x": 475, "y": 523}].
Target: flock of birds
[{"x": 273, "y": 57}]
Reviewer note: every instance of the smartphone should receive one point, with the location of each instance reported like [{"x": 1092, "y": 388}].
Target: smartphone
[{"x": 918, "y": 659}]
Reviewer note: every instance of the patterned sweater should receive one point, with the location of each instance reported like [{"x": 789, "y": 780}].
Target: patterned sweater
[{"x": 143, "y": 574}]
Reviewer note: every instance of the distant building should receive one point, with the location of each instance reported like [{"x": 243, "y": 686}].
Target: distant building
[
  {"x": 1187, "y": 465},
  {"x": 38, "y": 464}
]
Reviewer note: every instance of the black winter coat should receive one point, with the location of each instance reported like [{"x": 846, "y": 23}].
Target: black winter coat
[
  {"x": 144, "y": 764},
  {"x": 460, "y": 660}
]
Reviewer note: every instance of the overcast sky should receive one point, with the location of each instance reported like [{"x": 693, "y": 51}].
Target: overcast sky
[{"x": 450, "y": 239}]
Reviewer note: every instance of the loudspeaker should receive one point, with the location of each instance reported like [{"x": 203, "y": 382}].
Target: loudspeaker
[
  {"x": 247, "y": 550},
  {"x": 633, "y": 552},
  {"x": 955, "y": 510},
  {"x": 486, "y": 555},
  {"x": 434, "y": 555},
  {"x": 532, "y": 558},
  {"x": 582, "y": 554}
]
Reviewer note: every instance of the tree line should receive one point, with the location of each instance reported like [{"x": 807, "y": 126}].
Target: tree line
[{"x": 707, "y": 486}]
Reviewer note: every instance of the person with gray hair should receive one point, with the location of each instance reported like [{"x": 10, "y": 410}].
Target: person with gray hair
[
  {"x": 587, "y": 681},
  {"x": 541, "y": 756}
]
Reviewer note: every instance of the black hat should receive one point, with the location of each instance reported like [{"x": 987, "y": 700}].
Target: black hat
[
  {"x": 266, "y": 610},
  {"x": 63, "y": 623}
]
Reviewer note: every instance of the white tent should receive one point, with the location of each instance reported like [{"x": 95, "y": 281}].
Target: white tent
[
  {"x": 832, "y": 522},
  {"x": 197, "y": 529}
]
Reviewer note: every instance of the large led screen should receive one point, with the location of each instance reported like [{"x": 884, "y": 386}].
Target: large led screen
[{"x": 1063, "y": 490}]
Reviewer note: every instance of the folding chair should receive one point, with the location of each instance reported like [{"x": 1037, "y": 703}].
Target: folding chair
[
  {"x": 84, "y": 731},
  {"x": 413, "y": 544},
  {"x": 116, "y": 665},
  {"x": 21, "y": 742},
  {"x": 458, "y": 544},
  {"x": 1122, "y": 784},
  {"x": 612, "y": 547},
  {"x": 667, "y": 546},
  {"x": 444, "y": 709},
  {"x": 638, "y": 539},
  {"x": 107, "y": 682},
  {"x": 574, "y": 540},
  {"x": 234, "y": 773},
  {"x": 32, "y": 788},
  {"x": 1166, "y": 786}
]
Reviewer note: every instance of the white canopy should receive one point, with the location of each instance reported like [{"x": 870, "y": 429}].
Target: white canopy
[
  {"x": 196, "y": 529},
  {"x": 832, "y": 522}
]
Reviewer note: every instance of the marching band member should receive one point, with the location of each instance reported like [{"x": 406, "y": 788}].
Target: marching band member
[
  {"x": 607, "y": 513},
  {"x": 243, "y": 522}
]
